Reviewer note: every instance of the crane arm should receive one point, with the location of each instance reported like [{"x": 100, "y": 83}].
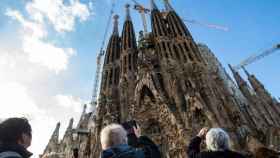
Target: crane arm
[
  {"x": 99, "y": 59},
  {"x": 255, "y": 58},
  {"x": 142, "y": 10},
  {"x": 218, "y": 27},
  {"x": 136, "y": 2}
]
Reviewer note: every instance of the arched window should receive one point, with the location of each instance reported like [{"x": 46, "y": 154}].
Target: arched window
[
  {"x": 116, "y": 75},
  {"x": 111, "y": 77},
  {"x": 129, "y": 61},
  {"x": 105, "y": 78},
  {"x": 176, "y": 52},
  {"x": 125, "y": 64},
  {"x": 146, "y": 92}
]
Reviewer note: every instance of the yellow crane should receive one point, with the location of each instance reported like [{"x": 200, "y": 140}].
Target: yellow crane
[
  {"x": 257, "y": 57},
  {"x": 143, "y": 11}
]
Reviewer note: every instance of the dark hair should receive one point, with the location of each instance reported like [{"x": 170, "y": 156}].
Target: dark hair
[{"x": 11, "y": 130}]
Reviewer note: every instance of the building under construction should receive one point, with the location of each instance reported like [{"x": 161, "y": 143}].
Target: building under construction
[{"x": 172, "y": 87}]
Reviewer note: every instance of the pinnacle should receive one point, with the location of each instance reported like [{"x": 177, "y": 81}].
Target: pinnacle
[
  {"x": 127, "y": 6},
  {"x": 116, "y": 23},
  {"x": 153, "y": 5},
  {"x": 167, "y": 5}
]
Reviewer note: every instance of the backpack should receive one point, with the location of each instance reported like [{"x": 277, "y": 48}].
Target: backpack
[{"x": 10, "y": 154}]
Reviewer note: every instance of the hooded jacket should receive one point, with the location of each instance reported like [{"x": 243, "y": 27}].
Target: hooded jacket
[
  {"x": 122, "y": 151},
  {"x": 13, "y": 151}
]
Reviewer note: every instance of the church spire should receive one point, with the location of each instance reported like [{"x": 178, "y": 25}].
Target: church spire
[
  {"x": 167, "y": 5},
  {"x": 128, "y": 34},
  {"x": 84, "y": 109},
  {"x": 247, "y": 92},
  {"x": 111, "y": 70},
  {"x": 177, "y": 26},
  {"x": 159, "y": 27},
  {"x": 263, "y": 94},
  {"x": 116, "y": 24},
  {"x": 69, "y": 128},
  {"x": 128, "y": 17},
  {"x": 186, "y": 48},
  {"x": 55, "y": 135},
  {"x": 242, "y": 84},
  {"x": 257, "y": 85},
  {"x": 259, "y": 88},
  {"x": 70, "y": 125},
  {"x": 112, "y": 52},
  {"x": 153, "y": 5},
  {"x": 54, "y": 140}
]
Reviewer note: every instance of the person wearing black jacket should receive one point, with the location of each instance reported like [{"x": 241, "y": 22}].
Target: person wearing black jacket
[
  {"x": 15, "y": 138},
  {"x": 217, "y": 142},
  {"x": 114, "y": 142}
]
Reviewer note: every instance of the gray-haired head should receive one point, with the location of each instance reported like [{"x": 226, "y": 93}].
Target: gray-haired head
[
  {"x": 217, "y": 140},
  {"x": 113, "y": 135}
]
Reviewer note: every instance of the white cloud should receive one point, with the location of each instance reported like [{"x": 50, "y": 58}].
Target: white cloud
[
  {"x": 69, "y": 102},
  {"x": 39, "y": 51},
  {"x": 60, "y": 15},
  {"x": 46, "y": 54},
  {"x": 16, "y": 101},
  {"x": 30, "y": 63}
]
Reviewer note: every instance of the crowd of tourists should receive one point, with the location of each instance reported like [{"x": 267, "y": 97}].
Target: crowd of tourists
[{"x": 124, "y": 141}]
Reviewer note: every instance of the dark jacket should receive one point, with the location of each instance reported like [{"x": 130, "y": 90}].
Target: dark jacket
[
  {"x": 142, "y": 147},
  {"x": 122, "y": 151},
  {"x": 193, "y": 151},
  {"x": 13, "y": 151}
]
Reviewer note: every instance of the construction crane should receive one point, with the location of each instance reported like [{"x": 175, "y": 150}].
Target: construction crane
[
  {"x": 257, "y": 57},
  {"x": 99, "y": 59},
  {"x": 143, "y": 11},
  {"x": 214, "y": 26}
]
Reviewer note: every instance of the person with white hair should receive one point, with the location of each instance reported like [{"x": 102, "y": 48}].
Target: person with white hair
[
  {"x": 114, "y": 142},
  {"x": 217, "y": 144}
]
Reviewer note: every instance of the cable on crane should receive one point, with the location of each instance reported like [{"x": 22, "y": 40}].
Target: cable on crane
[
  {"x": 257, "y": 57},
  {"x": 99, "y": 58}
]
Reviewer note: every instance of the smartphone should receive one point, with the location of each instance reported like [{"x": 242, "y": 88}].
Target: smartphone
[{"x": 129, "y": 124}]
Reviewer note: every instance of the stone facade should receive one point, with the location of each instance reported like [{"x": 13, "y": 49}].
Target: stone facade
[{"x": 172, "y": 87}]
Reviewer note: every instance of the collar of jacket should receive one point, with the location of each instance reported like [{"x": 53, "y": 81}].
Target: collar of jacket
[
  {"x": 15, "y": 148},
  {"x": 115, "y": 150}
]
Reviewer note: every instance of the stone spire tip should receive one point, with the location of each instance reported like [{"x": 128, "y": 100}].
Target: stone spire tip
[
  {"x": 168, "y": 6},
  {"x": 58, "y": 125},
  {"x": 116, "y": 23},
  {"x": 153, "y": 5},
  {"x": 127, "y": 7}
]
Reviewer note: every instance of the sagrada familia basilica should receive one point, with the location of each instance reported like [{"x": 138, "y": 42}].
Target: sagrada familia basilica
[{"x": 172, "y": 86}]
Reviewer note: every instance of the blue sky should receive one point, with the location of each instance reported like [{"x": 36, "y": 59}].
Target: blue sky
[{"x": 48, "y": 50}]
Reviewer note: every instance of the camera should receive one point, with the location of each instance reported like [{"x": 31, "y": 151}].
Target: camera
[{"x": 129, "y": 125}]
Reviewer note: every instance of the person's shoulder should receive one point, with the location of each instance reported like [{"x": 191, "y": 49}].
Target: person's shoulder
[
  {"x": 206, "y": 154},
  {"x": 236, "y": 154},
  {"x": 10, "y": 154},
  {"x": 131, "y": 153},
  {"x": 139, "y": 153}
]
